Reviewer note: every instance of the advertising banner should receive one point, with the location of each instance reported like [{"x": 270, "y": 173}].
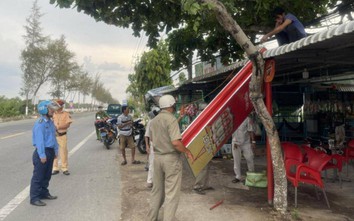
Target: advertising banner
[{"x": 216, "y": 123}]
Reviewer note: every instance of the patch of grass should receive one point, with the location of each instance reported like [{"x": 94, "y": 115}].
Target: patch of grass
[{"x": 295, "y": 214}]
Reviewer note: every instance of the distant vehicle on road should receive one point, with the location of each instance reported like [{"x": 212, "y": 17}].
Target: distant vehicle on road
[{"x": 114, "y": 110}]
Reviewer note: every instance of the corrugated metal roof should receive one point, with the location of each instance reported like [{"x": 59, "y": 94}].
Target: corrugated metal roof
[
  {"x": 313, "y": 39},
  {"x": 324, "y": 55},
  {"x": 310, "y": 40},
  {"x": 344, "y": 87}
]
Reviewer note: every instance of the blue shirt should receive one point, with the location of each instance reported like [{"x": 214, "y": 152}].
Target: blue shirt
[
  {"x": 297, "y": 24},
  {"x": 43, "y": 136}
]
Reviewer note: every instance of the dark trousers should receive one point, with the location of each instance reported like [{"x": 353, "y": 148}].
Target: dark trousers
[
  {"x": 290, "y": 34},
  {"x": 42, "y": 174}
]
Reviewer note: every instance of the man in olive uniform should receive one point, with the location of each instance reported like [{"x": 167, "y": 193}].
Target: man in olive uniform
[
  {"x": 46, "y": 149},
  {"x": 166, "y": 136},
  {"x": 62, "y": 121},
  {"x": 100, "y": 115}
]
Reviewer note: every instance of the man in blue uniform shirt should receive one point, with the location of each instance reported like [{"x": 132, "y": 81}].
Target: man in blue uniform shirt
[{"x": 46, "y": 149}]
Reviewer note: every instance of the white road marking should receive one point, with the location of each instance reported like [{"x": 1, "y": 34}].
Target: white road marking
[
  {"x": 10, "y": 206},
  {"x": 12, "y": 135},
  {"x": 79, "y": 145},
  {"x": 17, "y": 200}
]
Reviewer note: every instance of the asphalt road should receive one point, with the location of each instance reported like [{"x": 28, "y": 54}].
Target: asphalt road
[{"x": 91, "y": 192}]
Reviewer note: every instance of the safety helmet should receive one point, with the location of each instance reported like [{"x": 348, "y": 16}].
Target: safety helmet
[
  {"x": 166, "y": 101},
  {"x": 44, "y": 105}
]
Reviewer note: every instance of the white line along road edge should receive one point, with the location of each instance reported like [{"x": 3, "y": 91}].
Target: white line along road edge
[{"x": 17, "y": 200}]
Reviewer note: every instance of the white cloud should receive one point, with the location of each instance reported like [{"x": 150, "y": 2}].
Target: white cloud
[
  {"x": 111, "y": 66},
  {"x": 102, "y": 48}
]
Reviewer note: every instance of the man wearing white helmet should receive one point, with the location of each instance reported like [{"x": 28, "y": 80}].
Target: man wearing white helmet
[{"x": 166, "y": 137}]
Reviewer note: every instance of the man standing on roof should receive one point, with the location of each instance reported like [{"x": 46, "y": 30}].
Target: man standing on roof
[
  {"x": 287, "y": 28},
  {"x": 166, "y": 136},
  {"x": 62, "y": 121}
]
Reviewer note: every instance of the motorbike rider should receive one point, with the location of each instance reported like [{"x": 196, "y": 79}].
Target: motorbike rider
[{"x": 100, "y": 115}]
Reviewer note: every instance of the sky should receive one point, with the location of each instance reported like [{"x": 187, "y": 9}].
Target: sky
[{"x": 101, "y": 48}]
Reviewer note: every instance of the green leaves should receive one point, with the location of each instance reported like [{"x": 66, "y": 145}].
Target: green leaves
[
  {"x": 191, "y": 6},
  {"x": 63, "y": 3},
  {"x": 157, "y": 16},
  {"x": 11, "y": 107},
  {"x": 152, "y": 71}
]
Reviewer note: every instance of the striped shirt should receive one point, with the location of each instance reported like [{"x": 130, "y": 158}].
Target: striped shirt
[{"x": 126, "y": 130}]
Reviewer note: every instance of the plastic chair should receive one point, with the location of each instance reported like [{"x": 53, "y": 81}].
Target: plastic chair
[
  {"x": 309, "y": 152},
  {"x": 309, "y": 173},
  {"x": 349, "y": 153},
  {"x": 292, "y": 152},
  {"x": 336, "y": 161}
]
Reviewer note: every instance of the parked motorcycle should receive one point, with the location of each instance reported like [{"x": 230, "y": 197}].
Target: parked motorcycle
[
  {"x": 108, "y": 131},
  {"x": 139, "y": 135}
]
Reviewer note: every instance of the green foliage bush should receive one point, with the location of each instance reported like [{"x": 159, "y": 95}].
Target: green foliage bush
[{"x": 11, "y": 107}]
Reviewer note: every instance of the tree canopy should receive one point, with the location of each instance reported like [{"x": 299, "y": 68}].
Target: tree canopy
[
  {"x": 152, "y": 71},
  {"x": 49, "y": 61},
  {"x": 201, "y": 32}
]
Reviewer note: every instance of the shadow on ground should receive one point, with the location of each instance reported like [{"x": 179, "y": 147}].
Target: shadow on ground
[{"x": 239, "y": 202}]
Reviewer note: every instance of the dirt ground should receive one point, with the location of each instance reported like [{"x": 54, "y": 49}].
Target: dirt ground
[{"x": 239, "y": 201}]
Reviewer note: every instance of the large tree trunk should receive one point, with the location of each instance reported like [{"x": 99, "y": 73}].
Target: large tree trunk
[{"x": 225, "y": 19}]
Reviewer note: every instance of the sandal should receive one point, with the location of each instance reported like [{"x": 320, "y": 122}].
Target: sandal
[
  {"x": 235, "y": 180},
  {"x": 136, "y": 162},
  {"x": 208, "y": 188},
  {"x": 199, "y": 191},
  {"x": 123, "y": 163}
]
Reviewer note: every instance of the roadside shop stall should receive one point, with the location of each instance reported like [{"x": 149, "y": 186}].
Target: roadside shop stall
[{"x": 302, "y": 69}]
